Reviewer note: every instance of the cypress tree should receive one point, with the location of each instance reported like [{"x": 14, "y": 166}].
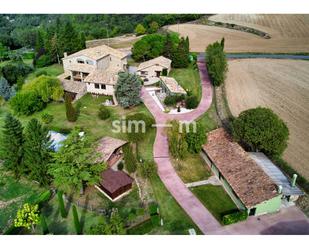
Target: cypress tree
[
  {"x": 63, "y": 212},
  {"x": 129, "y": 159},
  {"x": 77, "y": 224},
  {"x": 12, "y": 145},
  {"x": 37, "y": 152},
  {"x": 44, "y": 226},
  {"x": 71, "y": 113},
  {"x": 180, "y": 57}
]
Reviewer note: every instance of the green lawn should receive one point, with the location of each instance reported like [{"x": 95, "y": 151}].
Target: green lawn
[
  {"x": 189, "y": 79},
  {"x": 52, "y": 70},
  {"x": 176, "y": 221},
  {"x": 215, "y": 199},
  {"x": 13, "y": 194},
  {"x": 191, "y": 169}
]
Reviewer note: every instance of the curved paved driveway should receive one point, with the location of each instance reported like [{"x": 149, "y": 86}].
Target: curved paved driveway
[{"x": 193, "y": 207}]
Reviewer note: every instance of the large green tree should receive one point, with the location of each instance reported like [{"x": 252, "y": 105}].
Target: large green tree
[
  {"x": 180, "y": 55},
  {"x": 37, "y": 152},
  {"x": 261, "y": 129},
  {"x": 127, "y": 89},
  {"x": 12, "y": 143},
  {"x": 216, "y": 62},
  {"x": 47, "y": 87},
  {"x": 140, "y": 29},
  {"x": 74, "y": 165}
]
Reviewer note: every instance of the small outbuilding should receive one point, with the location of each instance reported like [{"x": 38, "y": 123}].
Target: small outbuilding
[
  {"x": 151, "y": 70},
  {"x": 114, "y": 183},
  {"x": 170, "y": 86},
  {"x": 243, "y": 179},
  {"x": 110, "y": 151}
]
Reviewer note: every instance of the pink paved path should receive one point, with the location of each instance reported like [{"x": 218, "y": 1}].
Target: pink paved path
[
  {"x": 288, "y": 221},
  {"x": 193, "y": 207}
]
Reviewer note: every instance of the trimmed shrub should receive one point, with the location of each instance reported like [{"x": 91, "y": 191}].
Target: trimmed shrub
[
  {"x": 120, "y": 166},
  {"x": 63, "y": 212},
  {"x": 191, "y": 102},
  {"x": 77, "y": 224},
  {"x": 153, "y": 209},
  {"x": 47, "y": 118},
  {"x": 104, "y": 112},
  {"x": 155, "y": 220},
  {"x": 234, "y": 217},
  {"x": 170, "y": 101}
]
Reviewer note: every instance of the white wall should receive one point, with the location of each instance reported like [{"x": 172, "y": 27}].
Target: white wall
[{"x": 108, "y": 91}]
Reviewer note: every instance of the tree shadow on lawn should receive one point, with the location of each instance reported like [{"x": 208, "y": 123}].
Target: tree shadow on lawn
[{"x": 83, "y": 214}]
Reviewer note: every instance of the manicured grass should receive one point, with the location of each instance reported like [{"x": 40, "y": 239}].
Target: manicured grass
[
  {"x": 189, "y": 79},
  {"x": 176, "y": 221},
  {"x": 215, "y": 199},
  {"x": 193, "y": 168},
  {"x": 209, "y": 119},
  {"x": 52, "y": 70},
  {"x": 88, "y": 120}
]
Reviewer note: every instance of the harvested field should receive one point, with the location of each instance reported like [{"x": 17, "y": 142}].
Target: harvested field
[
  {"x": 283, "y": 86},
  {"x": 289, "y": 33},
  {"x": 124, "y": 41}
]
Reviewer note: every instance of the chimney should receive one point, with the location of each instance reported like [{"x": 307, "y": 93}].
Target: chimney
[
  {"x": 293, "y": 182},
  {"x": 280, "y": 189},
  {"x": 65, "y": 54}
]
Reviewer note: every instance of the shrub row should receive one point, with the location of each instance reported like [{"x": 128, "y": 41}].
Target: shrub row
[{"x": 234, "y": 217}]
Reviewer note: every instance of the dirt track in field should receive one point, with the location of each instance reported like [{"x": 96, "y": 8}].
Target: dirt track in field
[
  {"x": 283, "y": 86},
  {"x": 289, "y": 33}
]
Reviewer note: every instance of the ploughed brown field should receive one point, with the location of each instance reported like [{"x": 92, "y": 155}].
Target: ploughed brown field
[
  {"x": 289, "y": 33},
  {"x": 283, "y": 86}
]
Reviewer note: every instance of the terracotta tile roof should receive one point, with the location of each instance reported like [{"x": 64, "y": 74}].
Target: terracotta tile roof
[
  {"x": 161, "y": 60},
  {"x": 172, "y": 85},
  {"x": 250, "y": 183},
  {"x": 106, "y": 147},
  {"x": 70, "y": 85},
  {"x": 113, "y": 180},
  {"x": 98, "y": 52},
  {"x": 108, "y": 76},
  {"x": 80, "y": 67}
]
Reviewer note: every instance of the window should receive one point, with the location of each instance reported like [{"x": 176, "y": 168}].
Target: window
[
  {"x": 97, "y": 86},
  {"x": 103, "y": 86},
  {"x": 89, "y": 62},
  {"x": 80, "y": 61}
]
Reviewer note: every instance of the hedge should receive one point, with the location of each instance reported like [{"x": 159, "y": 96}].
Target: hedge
[{"x": 234, "y": 217}]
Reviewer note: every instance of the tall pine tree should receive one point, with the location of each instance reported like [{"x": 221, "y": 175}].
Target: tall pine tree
[
  {"x": 180, "y": 56},
  {"x": 37, "y": 152},
  {"x": 12, "y": 145}
]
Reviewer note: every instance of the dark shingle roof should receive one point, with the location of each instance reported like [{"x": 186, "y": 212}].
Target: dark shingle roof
[{"x": 113, "y": 180}]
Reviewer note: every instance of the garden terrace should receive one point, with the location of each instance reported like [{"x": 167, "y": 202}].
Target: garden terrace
[{"x": 249, "y": 182}]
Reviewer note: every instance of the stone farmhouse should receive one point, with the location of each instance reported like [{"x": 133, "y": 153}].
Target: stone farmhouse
[
  {"x": 150, "y": 71},
  {"x": 92, "y": 70}
]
